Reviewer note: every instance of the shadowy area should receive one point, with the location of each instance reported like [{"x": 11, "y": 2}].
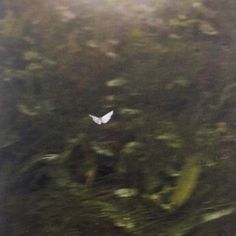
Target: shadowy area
[{"x": 164, "y": 164}]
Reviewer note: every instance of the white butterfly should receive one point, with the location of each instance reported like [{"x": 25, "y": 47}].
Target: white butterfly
[{"x": 102, "y": 120}]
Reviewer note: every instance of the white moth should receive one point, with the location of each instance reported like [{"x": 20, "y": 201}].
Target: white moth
[{"x": 102, "y": 120}]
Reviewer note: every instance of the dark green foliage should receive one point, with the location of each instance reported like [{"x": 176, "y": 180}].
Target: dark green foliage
[{"x": 165, "y": 163}]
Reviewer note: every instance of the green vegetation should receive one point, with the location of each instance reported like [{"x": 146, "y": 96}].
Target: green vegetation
[{"x": 164, "y": 164}]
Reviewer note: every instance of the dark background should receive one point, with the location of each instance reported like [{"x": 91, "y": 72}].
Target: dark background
[{"x": 165, "y": 163}]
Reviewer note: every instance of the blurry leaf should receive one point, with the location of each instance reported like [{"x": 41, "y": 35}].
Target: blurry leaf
[
  {"x": 31, "y": 55},
  {"x": 34, "y": 67},
  {"x": 221, "y": 127},
  {"x": 50, "y": 157},
  {"x": 101, "y": 149},
  {"x": 92, "y": 44},
  {"x": 131, "y": 148},
  {"x": 66, "y": 13},
  {"x": 49, "y": 62},
  {"x": 34, "y": 108},
  {"x": 125, "y": 222},
  {"x": 208, "y": 29},
  {"x": 170, "y": 171},
  {"x": 111, "y": 55},
  {"x": 155, "y": 197},
  {"x": 119, "y": 219},
  {"x": 171, "y": 140},
  {"x": 126, "y": 192},
  {"x": 110, "y": 98},
  {"x": 113, "y": 41},
  {"x": 182, "y": 21},
  {"x": 27, "y": 111},
  {"x": 182, "y": 17},
  {"x": 8, "y": 74},
  {"x": 129, "y": 111},
  {"x": 118, "y": 82},
  {"x": 186, "y": 183},
  {"x": 174, "y": 36},
  {"x": 218, "y": 214}
]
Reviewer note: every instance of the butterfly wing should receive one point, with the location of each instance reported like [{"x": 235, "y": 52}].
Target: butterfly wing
[
  {"x": 97, "y": 120},
  {"x": 106, "y": 117}
]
